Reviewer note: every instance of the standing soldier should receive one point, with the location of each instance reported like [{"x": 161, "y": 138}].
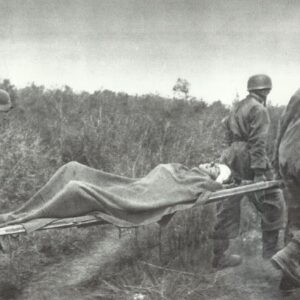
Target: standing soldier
[
  {"x": 246, "y": 134},
  {"x": 5, "y": 102},
  {"x": 5, "y": 106},
  {"x": 287, "y": 166}
]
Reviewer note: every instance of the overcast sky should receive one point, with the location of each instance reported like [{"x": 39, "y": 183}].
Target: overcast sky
[{"x": 143, "y": 46}]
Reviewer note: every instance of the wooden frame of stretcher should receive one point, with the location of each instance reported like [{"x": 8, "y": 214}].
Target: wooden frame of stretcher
[{"x": 89, "y": 220}]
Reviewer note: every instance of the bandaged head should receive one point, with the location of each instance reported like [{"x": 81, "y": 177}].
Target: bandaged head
[{"x": 218, "y": 172}]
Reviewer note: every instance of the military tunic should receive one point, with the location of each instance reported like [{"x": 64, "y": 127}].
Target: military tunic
[
  {"x": 286, "y": 159},
  {"x": 246, "y": 130}
]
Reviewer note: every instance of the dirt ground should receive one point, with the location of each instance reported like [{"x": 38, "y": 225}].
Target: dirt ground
[{"x": 255, "y": 279}]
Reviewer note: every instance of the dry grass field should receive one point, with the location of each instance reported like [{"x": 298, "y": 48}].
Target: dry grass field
[{"x": 126, "y": 135}]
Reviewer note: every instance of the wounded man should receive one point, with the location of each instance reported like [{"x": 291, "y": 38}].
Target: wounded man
[{"x": 76, "y": 190}]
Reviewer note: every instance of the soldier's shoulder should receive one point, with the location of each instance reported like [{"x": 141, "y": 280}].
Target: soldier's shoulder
[
  {"x": 253, "y": 103},
  {"x": 250, "y": 108},
  {"x": 247, "y": 103}
]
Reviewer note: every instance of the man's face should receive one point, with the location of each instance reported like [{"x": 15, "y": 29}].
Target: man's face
[
  {"x": 211, "y": 168},
  {"x": 5, "y": 107},
  {"x": 264, "y": 92}
]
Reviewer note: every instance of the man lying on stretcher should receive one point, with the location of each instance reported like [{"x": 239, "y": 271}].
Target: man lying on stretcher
[{"x": 76, "y": 190}]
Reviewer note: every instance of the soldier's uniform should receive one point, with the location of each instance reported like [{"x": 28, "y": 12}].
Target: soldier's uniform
[
  {"x": 246, "y": 133},
  {"x": 287, "y": 165},
  {"x": 286, "y": 159}
]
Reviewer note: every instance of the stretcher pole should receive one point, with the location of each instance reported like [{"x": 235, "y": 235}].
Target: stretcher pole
[{"x": 242, "y": 190}]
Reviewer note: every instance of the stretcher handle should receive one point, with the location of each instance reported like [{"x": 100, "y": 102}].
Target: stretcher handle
[{"x": 242, "y": 190}]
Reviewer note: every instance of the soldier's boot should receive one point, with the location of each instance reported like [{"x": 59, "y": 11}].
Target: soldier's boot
[
  {"x": 288, "y": 260},
  {"x": 270, "y": 243},
  {"x": 221, "y": 259},
  {"x": 227, "y": 261}
]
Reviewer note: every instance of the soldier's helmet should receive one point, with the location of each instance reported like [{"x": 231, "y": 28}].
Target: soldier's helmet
[
  {"x": 5, "y": 102},
  {"x": 259, "y": 82}
]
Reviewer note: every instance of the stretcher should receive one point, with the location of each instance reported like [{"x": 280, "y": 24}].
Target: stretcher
[{"x": 89, "y": 220}]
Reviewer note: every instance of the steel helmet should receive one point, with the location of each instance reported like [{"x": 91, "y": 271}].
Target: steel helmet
[
  {"x": 5, "y": 102},
  {"x": 259, "y": 82}
]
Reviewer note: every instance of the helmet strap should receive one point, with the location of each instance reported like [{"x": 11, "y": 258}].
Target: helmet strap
[{"x": 259, "y": 97}]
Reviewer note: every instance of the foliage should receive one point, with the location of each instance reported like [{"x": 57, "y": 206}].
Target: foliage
[{"x": 181, "y": 89}]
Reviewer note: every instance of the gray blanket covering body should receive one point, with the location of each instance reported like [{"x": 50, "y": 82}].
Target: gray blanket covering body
[{"x": 76, "y": 190}]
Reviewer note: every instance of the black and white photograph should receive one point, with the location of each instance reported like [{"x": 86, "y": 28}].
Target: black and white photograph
[{"x": 150, "y": 150}]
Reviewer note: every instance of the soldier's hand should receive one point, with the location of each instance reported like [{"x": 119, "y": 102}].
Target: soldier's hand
[
  {"x": 259, "y": 178},
  {"x": 277, "y": 176},
  {"x": 259, "y": 175}
]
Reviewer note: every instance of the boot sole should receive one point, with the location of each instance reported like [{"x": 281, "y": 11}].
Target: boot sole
[{"x": 221, "y": 266}]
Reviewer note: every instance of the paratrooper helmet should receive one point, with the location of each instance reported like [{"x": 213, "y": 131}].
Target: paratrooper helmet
[{"x": 259, "y": 82}]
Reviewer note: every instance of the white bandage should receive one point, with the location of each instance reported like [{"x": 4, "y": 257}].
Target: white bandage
[{"x": 224, "y": 174}]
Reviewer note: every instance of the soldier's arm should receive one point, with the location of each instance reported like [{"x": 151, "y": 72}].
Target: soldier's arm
[
  {"x": 275, "y": 158},
  {"x": 259, "y": 126},
  {"x": 227, "y": 134},
  {"x": 287, "y": 116}
]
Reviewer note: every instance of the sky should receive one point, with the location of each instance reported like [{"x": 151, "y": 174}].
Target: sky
[{"x": 143, "y": 46}]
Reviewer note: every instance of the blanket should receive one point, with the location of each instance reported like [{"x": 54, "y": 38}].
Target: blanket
[{"x": 77, "y": 190}]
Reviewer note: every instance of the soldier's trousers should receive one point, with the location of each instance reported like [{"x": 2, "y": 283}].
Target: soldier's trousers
[
  {"x": 292, "y": 196},
  {"x": 269, "y": 204}
]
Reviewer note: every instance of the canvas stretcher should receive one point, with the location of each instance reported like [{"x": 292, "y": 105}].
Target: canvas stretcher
[{"x": 90, "y": 220}]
